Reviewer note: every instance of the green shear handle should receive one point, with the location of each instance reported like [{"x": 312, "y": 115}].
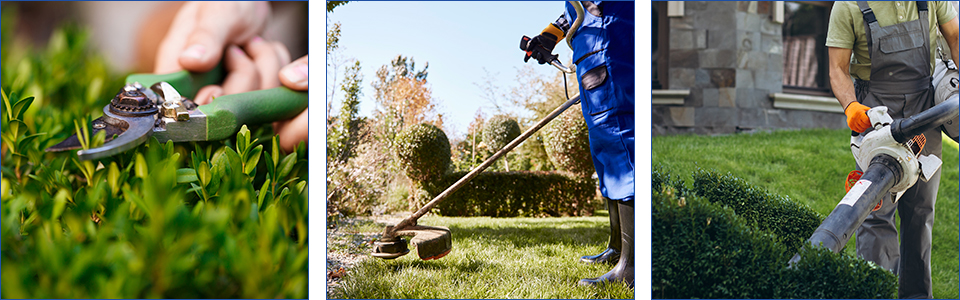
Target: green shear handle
[{"x": 226, "y": 114}]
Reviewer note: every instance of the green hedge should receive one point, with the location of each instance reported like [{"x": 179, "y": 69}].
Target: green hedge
[
  {"x": 517, "y": 194},
  {"x": 704, "y": 249},
  {"x": 822, "y": 274},
  {"x": 218, "y": 219},
  {"x": 792, "y": 222}
]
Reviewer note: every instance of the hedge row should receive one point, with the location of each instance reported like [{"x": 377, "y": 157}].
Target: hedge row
[
  {"x": 791, "y": 222},
  {"x": 517, "y": 194},
  {"x": 704, "y": 249}
]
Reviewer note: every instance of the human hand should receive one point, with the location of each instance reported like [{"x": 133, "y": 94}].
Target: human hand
[
  {"x": 201, "y": 31},
  {"x": 254, "y": 67},
  {"x": 541, "y": 46},
  {"x": 857, "y": 118},
  {"x": 291, "y": 132}
]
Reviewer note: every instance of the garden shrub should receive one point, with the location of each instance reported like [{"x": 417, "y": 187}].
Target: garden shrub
[
  {"x": 704, "y": 249},
  {"x": 499, "y": 130},
  {"x": 567, "y": 143},
  {"x": 517, "y": 194},
  {"x": 822, "y": 274},
  {"x": 424, "y": 152},
  {"x": 793, "y": 223},
  {"x": 218, "y": 219},
  {"x": 663, "y": 179}
]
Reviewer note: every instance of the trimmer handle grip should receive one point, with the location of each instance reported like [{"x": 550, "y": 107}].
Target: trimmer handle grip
[{"x": 554, "y": 60}]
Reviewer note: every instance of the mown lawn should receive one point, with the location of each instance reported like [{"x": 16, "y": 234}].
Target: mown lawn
[
  {"x": 810, "y": 166},
  {"x": 491, "y": 258}
]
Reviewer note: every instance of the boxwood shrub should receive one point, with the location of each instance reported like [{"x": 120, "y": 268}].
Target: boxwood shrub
[
  {"x": 791, "y": 222},
  {"x": 424, "y": 152},
  {"x": 499, "y": 130},
  {"x": 702, "y": 250},
  {"x": 706, "y": 249},
  {"x": 517, "y": 194},
  {"x": 216, "y": 219},
  {"x": 567, "y": 143}
]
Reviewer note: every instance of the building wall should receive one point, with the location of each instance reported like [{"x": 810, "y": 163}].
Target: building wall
[{"x": 729, "y": 55}]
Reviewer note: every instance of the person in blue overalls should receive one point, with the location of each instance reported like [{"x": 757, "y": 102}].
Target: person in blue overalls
[{"x": 603, "y": 48}]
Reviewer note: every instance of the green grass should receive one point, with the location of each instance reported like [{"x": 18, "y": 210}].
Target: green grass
[
  {"x": 492, "y": 258},
  {"x": 809, "y": 167}
]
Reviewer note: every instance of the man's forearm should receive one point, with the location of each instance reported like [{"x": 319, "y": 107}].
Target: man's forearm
[
  {"x": 842, "y": 86},
  {"x": 954, "y": 45}
]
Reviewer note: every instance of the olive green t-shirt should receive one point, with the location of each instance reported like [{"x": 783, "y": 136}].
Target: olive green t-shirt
[{"x": 847, "y": 30}]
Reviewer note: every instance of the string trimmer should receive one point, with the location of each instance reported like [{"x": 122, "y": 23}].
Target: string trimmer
[{"x": 436, "y": 242}]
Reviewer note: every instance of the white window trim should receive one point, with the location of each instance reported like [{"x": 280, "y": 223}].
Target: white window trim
[
  {"x": 778, "y": 11},
  {"x": 675, "y": 9},
  {"x": 806, "y": 102},
  {"x": 670, "y": 97}
]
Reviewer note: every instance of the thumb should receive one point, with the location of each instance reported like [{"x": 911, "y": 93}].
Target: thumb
[{"x": 296, "y": 75}]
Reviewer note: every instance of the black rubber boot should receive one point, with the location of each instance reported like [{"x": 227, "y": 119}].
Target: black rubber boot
[
  {"x": 612, "y": 254},
  {"x": 623, "y": 271}
]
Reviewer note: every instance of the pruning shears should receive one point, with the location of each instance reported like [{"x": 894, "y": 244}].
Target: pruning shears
[{"x": 155, "y": 105}]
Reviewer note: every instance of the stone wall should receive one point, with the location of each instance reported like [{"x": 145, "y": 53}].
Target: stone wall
[{"x": 729, "y": 55}]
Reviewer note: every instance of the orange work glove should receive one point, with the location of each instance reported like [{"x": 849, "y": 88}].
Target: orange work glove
[{"x": 857, "y": 116}]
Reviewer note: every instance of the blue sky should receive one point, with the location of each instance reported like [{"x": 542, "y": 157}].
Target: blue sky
[{"x": 458, "y": 39}]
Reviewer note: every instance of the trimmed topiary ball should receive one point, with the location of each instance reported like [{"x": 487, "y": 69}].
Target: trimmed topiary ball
[
  {"x": 424, "y": 152},
  {"x": 567, "y": 143},
  {"x": 499, "y": 131}
]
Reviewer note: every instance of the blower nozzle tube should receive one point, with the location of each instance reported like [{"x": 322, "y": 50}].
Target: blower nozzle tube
[
  {"x": 905, "y": 129},
  {"x": 836, "y": 230}
]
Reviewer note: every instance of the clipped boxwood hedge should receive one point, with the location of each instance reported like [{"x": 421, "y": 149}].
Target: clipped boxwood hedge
[
  {"x": 517, "y": 194},
  {"x": 499, "y": 130},
  {"x": 704, "y": 249},
  {"x": 566, "y": 141},
  {"x": 792, "y": 222},
  {"x": 424, "y": 152}
]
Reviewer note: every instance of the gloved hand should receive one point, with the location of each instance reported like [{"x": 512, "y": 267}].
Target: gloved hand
[
  {"x": 857, "y": 118},
  {"x": 541, "y": 46}
]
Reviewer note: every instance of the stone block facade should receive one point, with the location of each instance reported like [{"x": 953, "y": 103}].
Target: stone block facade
[{"x": 729, "y": 55}]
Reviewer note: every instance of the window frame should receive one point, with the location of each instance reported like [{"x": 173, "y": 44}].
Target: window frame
[{"x": 822, "y": 64}]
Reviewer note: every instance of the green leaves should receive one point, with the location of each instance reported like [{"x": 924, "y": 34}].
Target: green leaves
[
  {"x": 249, "y": 157},
  {"x": 166, "y": 227},
  {"x": 424, "y": 152},
  {"x": 712, "y": 249}
]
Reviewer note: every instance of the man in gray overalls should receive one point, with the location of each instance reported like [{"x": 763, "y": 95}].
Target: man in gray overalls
[{"x": 892, "y": 63}]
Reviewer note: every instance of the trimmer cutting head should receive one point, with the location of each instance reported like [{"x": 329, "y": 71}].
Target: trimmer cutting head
[
  {"x": 390, "y": 249},
  {"x": 431, "y": 242}
]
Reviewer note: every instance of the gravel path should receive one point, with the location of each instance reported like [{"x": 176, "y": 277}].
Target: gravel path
[{"x": 347, "y": 245}]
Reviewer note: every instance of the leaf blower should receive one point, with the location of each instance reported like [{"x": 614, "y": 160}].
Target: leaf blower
[{"x": 890, "y": 156}]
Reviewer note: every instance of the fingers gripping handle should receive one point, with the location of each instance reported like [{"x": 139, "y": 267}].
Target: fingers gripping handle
[{"x": 226, "y": 114}]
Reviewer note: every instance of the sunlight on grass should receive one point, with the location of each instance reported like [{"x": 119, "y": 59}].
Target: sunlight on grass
[
  {"x": 494, "y": 258},
  {"x": 809, "y": 167}
]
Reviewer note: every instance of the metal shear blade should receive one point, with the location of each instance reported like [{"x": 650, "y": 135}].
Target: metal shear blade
[{"x": 138, "y": 131}]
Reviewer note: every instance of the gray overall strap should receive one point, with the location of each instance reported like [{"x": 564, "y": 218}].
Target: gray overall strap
[
  {"x": 924, "y": 17},
  {"x": 869, "y": 20}
]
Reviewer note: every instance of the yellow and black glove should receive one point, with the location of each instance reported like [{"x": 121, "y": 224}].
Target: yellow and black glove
[{"x": 541, "y": 46}]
